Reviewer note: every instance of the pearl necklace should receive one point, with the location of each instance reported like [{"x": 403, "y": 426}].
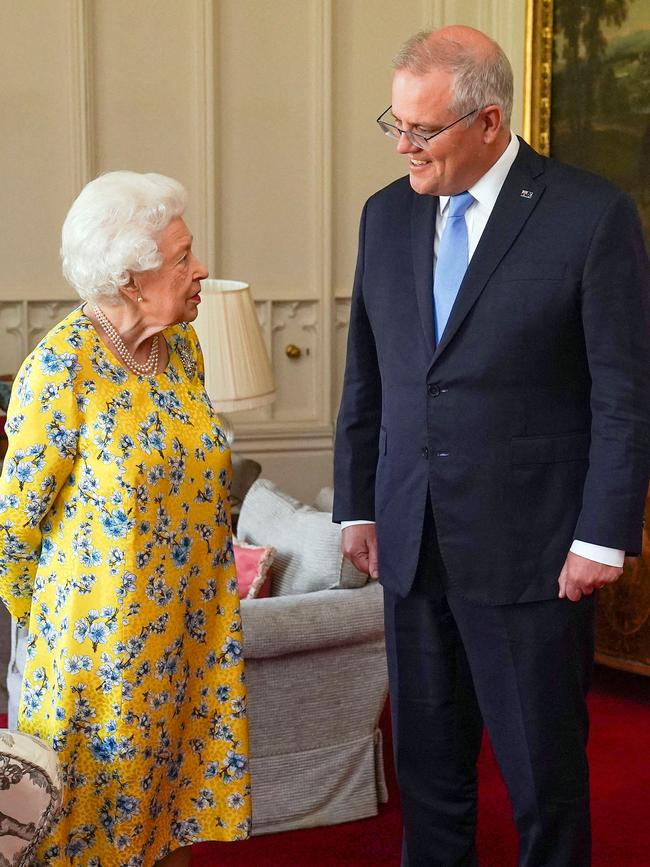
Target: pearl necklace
[{"x": 146, "y": 369}]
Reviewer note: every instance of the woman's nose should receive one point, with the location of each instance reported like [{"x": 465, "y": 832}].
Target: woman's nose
[{"x": 201, "y": 270}]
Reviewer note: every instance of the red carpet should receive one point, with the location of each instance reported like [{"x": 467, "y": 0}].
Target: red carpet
[{"x": 619, "y": 752}]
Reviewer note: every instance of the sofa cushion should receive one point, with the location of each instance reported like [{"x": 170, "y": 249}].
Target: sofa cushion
[
  {"x": 253, "y": 564},
  {"x": 308, "y": 545},
  {"x": 324, "y": 501}
]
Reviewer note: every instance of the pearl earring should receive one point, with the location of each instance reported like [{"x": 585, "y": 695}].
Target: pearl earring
[{"x": 139, "y": 298}]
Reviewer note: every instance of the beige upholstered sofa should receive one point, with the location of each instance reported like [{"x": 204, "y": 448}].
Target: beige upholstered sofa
[{"x": 316, "y": 672}]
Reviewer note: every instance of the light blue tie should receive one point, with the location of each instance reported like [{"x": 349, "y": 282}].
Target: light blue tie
[{"x": 451, "y": 263}]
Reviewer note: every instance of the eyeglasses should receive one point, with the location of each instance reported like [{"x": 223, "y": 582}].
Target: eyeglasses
[{"x": 416, "y": 138}]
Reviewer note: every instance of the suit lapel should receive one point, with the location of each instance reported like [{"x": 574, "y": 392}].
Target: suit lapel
[
  {"x": 519, "y": 196},
  {"x": 423, "y": 223}
]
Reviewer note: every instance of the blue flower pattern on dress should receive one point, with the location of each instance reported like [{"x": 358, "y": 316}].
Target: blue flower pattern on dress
[{"x": 116, "y": 554}]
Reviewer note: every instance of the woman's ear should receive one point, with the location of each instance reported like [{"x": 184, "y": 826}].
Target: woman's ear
[{"x": 132, "y": 290}]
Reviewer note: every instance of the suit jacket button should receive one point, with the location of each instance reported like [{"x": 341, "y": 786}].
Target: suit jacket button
[
  {"x": 433, "y": 389},
  {"x": 425, "y": 453}
]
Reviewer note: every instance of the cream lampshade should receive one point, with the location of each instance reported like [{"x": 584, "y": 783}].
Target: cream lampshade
[{"x": 238, "y": 373}]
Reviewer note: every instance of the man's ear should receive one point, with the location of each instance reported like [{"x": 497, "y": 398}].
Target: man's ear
[{"x": 492, "y": 123}]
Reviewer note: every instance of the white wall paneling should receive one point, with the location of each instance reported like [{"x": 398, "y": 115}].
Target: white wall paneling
[
  {"x": 23, "y": 324},
  {"x": 341, "y": 323},
  {"x": 366, "y": 35},
  {"x": 12, "y": 337},
  {"x": 265, "y": 111},
  {"x": 271, "y": 100},
  {"x": 296, "y": 323},
  {"x": 205, "y": 144},
  {"x": 508, "y": 28},
  {"x": 40, "y": 143},
  {"x": 80, "y": 118},
  {"x": 293, "y": 421},
  {"x": 301, "y": 472},
  {"x": 503, "y": 20},
  {"x": 322, "y": 378}
]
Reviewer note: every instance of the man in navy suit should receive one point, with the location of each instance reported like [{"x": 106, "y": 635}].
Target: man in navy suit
[{"x": 492, "y": 447}]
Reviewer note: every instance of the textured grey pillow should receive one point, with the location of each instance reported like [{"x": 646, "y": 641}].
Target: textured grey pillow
[
  {"x": 307, "y": 543},
  {"x": 324, "y": 501}
]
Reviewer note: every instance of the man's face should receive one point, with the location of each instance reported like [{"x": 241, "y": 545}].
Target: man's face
[{"x": 455, "y": 159}]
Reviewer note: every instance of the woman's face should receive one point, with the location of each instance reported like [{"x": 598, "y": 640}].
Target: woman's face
[{"x": 171, "y": 293}]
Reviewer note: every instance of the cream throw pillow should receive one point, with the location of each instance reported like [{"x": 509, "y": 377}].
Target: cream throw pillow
[{"x": 307, "y": 543}]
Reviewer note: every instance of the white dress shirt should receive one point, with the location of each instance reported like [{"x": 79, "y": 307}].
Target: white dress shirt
[{"x": 485, "y": 192}]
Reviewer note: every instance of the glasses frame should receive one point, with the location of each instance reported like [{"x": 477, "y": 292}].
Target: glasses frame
[{"x": 416, "y": 138}]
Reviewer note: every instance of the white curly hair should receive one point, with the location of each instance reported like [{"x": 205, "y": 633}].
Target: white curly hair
[{"x": 111, "y": 230}]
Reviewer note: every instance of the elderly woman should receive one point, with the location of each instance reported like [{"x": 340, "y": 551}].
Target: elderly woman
[{"x": 115, "y": 546}]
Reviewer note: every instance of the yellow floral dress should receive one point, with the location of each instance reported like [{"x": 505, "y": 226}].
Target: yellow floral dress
[{"x": 116, "y": 554}]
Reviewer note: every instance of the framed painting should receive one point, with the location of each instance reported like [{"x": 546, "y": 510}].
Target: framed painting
[
  {"x": 587, "y": 92},
  {"x": 587, "y": 102}
]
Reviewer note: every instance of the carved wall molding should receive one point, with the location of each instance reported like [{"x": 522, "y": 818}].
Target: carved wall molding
[
  {"x": 293, "y": 423},
  {"x": 342, "y": 312},
  {"x": 23, "y": 323},
  {"x": 303, "y": 313}
]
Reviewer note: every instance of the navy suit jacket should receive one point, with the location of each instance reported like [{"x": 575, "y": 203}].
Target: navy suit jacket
[{"x": 529, "y": 423}]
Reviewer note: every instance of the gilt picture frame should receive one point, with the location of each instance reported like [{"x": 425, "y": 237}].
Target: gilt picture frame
[
  {"x": 537, "y": 74},
  {"x": 587, "y": 102},
  {"x": 587, "y": 89}
]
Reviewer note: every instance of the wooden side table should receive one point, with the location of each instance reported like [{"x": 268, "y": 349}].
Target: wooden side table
[{"x": 623, "y": 618}]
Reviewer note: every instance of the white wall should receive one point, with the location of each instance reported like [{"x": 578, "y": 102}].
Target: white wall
[{"x": 265, "y": 111}]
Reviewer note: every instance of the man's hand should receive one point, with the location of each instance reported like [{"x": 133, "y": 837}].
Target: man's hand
[
  {"x": 359, "y": 545},
  {"x": 580, "y": 577}
]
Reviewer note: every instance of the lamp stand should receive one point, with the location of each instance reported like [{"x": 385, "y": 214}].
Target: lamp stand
[{"x": 227, "y": 427}]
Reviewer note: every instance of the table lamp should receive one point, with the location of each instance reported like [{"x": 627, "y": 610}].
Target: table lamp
[{"x": 238, "y": 373}]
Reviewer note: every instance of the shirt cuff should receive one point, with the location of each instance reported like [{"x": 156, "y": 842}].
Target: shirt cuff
[
  {"x": 607, "y": 556},
  {"x": 345, "y": 524},
  {"x": 598, "y": 553}
]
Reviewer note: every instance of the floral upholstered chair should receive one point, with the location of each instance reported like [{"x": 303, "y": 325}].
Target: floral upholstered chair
[
  {"x": 5, "y": 620},
  {"x": 30, "y": 795}
]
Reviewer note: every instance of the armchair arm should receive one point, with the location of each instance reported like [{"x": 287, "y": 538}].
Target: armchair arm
[{"x": 282, "y": 625}]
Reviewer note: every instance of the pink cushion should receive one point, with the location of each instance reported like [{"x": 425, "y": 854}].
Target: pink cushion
[{"x": 253, "y": 564}]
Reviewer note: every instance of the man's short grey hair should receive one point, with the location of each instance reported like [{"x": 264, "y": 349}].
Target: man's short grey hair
[
  {"x": 479, "y": 79},
  {"x": 111, "y": 231}
]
